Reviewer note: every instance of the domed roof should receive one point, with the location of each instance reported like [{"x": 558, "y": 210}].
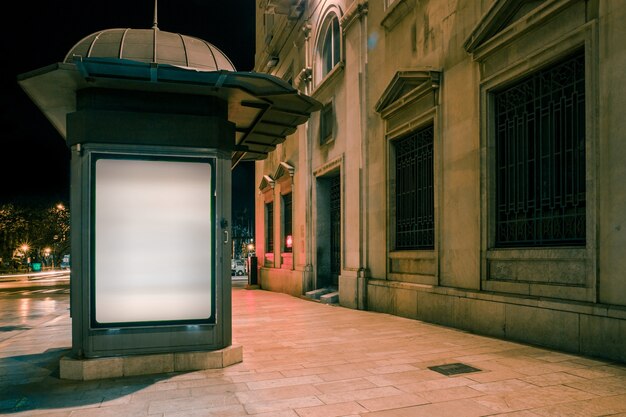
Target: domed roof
[{"x": 139, "y": 45}]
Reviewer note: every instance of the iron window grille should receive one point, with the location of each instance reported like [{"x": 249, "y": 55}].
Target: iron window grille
[
  {"x": 287, "y": 222},
  {"x": 414, "y": 191},
  {"x": 540, "y": 158},
  {"x": 269, "y": 226}
]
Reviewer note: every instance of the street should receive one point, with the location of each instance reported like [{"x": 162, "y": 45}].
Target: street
[
  {"x": 30, "y": 300},
  {"x": 34, "y": 292}
]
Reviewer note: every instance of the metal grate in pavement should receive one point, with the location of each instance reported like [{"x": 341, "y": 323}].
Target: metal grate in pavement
[{"x": 453, "y": 369}]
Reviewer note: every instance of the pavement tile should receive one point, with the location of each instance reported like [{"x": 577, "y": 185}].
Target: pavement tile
[
  {"x": 226, "y": 411},
  {"x": 127, "y": 410},
  {"x": 459, "y": 408},
  {"x": 115, "y": 400},
  {"x": 588, "y": 361},
  {"x": 203, "y": 382},
  {"x": 557, "y": 378},
  {"x": 602, "y": 386},
  {"x": 191, "y": 403},
  {"x": 332, "y": 410},
  {"x": 402, "y": 360},
  {"x": 282, "y": 405},
  {"x": 361, "y": 394},
  {"x": 554, "y": 356},
  {"x": 392, "y": 369},
  {"x": 434, "y": 384},
  {"x": 547, "y": 368},
  {"x": 344, "y": 385},
  {"x": 590, "y": 373},
  {"x": 283, "y": 382},
  {"x": 531, "y": 398},
  {"x": 491, "y": 376},
  {"x": 44, "y": 413},
  {"x": 403, "y": 377},
  {"x": 614, "y": 370},
  {"x": 305, "y": 371},
  {"x": 507, "y": 385},
  {"x": 218, "y": 389},
  {"x": 338, "y": 375},
  {"x": 280, "y": 393},
  {"x": 592, "y": 408},
  {"x": 282, "y": 413},
  {"x": 448, "y": 394},
  {"x": 255, "y": 376},
  {"x": 160, "y": 395},
  {"x": 393, "y": 401}
]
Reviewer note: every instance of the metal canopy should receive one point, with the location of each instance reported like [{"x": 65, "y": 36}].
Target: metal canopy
[{"x": 264, "y": 108}]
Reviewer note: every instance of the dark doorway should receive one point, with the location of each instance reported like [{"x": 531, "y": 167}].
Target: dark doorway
[
  {"x": 335, "y": 229},
  {"x": 328, "y": 230}
]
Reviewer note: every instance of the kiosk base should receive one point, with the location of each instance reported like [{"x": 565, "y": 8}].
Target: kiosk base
[{"x": 131, "y": 365}]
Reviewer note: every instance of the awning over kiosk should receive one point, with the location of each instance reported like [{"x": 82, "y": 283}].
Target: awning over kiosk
[{"x": 264, "y": 108}]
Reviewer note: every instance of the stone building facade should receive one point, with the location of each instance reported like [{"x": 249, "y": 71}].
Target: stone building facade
[{"x": 466, "y": 169}]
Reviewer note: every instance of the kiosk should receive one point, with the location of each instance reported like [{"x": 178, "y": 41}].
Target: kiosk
[{"x": 155, "y": 122}]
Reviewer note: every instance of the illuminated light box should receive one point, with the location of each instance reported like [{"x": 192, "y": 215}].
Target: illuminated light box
[{"x": 153, "y": 241}]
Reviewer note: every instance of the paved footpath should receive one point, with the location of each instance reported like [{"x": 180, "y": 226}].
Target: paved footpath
[{"x": 305, "y": 359}]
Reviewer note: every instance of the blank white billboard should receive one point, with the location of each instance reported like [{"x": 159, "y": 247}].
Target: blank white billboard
[{"x": 153, "y": 241}]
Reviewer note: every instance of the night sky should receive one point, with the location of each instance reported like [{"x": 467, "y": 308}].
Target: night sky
[{"x": 34, "y": 160}]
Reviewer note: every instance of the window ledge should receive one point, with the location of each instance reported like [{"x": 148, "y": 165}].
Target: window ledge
[
  {"x": 537, "y": 253},
  {"x": 412, "y": 254},
  {"x": 328, "y": 141},
  {"x": 396, "y": 12},
  {"x": 327, "y": 80}
]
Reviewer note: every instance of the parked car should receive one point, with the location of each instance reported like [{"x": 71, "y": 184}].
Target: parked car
[{"x": 237, "y": 267}]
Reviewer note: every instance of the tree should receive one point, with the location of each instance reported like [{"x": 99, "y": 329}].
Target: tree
[
  {"x": 241, "y": 231},
  {"x": 35, "y": 224},
  {"x": 13, "y": 227}
]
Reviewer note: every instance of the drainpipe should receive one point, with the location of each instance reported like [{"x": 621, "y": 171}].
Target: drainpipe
[{"x": 306, "y": 77}]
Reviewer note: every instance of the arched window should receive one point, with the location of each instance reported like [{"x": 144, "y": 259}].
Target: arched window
[{"x": 329, "y": 46}]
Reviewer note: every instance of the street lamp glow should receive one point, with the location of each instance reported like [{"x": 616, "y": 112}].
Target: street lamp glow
[
  {"x": 60, "y": 206},
  {"x": 47, "y": 251},
  {"x": 24, "y": 248}
]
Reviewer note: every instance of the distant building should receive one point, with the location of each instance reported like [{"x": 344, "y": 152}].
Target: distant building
[{"x": 467, "y": 167}]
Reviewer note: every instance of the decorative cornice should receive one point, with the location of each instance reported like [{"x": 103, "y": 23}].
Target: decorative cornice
[
  {"x": 283, "y": 170},
  {"x": 266, "y": 183},
  {"x": 397, "y": 12},
  {"x": 407, "y": 85},
  {"x": 507, "y": 19}
]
